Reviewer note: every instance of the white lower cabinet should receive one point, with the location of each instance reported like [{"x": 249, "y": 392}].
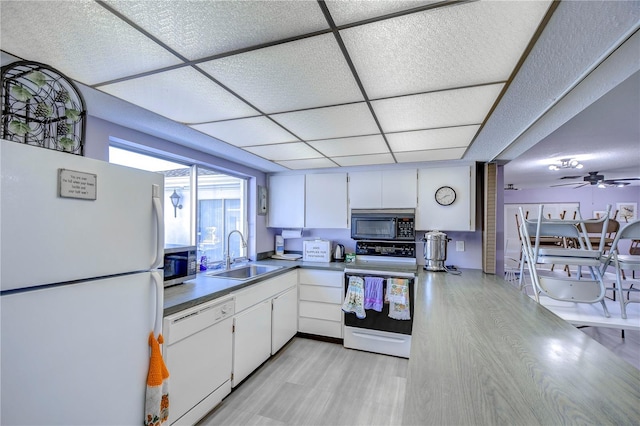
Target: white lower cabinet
[
  {"x": 251, "y": 340},
  {"x": 284, "y": 315},
  {"x": 320, "y": 302},
  {"x": 265, "y": 320}
]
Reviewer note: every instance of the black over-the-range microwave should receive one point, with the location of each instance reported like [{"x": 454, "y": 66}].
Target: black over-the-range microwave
[
  {"x": 179, "y": 264},
  {"x": 383, "y": 224}
]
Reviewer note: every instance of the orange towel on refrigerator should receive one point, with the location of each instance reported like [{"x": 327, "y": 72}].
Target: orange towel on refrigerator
[{"x": 156, "y": 406}]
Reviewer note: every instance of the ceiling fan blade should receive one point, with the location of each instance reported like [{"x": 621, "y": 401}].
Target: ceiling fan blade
[
  {"x": 582, "y": 184},
  {"x": 565, "y": 184}
]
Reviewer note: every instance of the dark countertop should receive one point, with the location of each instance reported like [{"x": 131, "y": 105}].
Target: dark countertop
[
  {"x": 483, "y": 353},
  {"x": 204, "y": 288}
]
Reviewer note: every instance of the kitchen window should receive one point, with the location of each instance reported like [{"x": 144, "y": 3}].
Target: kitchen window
[{"x": 206, "y": 208}]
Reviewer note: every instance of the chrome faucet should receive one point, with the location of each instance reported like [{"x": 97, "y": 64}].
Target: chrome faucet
[{"x": 244, "y": 244}]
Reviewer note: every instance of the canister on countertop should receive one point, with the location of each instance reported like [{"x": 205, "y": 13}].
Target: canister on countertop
[{"x": 279, "y": 245}]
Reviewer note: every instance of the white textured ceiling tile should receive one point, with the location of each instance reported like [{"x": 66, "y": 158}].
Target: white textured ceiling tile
[
  {"x": 314, "y": 163},
  {"x": 305, "y": 73},
  {"x": 80, "y": 39},
  {"x": 448, "y": 137},
  {"x": 430, "y": 155},
  {"x": 438, "y": 109},
  {"x": 351, "y": 146},
  {"x": 344, "y": 12},
  {"x": 285, "y": 151},
  {"x": 197, "y": 29},
  {"x": 330, "y": 122},
  {"x": 183, "y": 95},
  {"x": 247, "y": 131},
  {"x": 460, "y": 45},
  {"x": 363, "y": 160}
]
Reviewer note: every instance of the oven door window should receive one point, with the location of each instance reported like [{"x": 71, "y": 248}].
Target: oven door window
[{"x": 380, "y": 320}]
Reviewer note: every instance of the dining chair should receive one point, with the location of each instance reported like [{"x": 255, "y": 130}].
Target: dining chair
[
  {"x": 577, "y": 289},
  {"x": 602, "y": 239},
  {"x": 623, "y": 262}
]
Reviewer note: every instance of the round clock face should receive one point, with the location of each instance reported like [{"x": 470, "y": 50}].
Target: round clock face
[{"x": 445, "y": 195}]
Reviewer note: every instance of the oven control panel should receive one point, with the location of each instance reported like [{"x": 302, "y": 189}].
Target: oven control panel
[{"x": 386, "y": 249}]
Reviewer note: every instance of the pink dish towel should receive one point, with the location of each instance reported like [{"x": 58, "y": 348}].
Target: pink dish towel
[{"x": 373, "y": 293}]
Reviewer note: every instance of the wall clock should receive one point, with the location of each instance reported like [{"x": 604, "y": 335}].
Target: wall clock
[{"x": 445, "y": 195}]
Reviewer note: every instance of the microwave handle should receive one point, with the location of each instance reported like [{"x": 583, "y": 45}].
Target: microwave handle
[{"x": 158, "y": 261}]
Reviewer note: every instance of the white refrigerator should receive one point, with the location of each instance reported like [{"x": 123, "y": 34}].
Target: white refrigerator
[{"x": 80, "y": 241}]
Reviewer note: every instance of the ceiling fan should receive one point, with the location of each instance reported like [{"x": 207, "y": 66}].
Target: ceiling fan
[{"x": 593, "y": 178}]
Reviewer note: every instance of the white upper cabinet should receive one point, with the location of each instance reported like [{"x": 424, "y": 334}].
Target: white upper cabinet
[
  {"x": 286, "y": 201},
  {"x": 456, "y": 216},
  {"x": 326, "y": 200},
  {"x": 383, "y": 189},
  {"x": 399, "y": 188},
  {"x": 365, "y": 190}
]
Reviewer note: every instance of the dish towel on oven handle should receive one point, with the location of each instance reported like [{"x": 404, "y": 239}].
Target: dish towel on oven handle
[
  {"x": 398, "y": 297},
  {"x": 373, "y": 293},
  {"x": 354, "y": 299}
]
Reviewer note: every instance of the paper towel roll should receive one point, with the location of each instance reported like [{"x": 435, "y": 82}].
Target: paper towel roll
[{"x": 292, "y": 233}]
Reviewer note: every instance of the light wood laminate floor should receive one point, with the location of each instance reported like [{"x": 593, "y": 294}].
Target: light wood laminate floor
[{"x": 312, "y": 382}]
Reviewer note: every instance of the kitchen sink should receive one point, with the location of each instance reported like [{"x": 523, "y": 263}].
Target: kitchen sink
[{"x": 244, "y": 272}]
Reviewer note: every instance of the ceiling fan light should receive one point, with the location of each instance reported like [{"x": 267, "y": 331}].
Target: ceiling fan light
[
  {"x": 579, "y": 166},
  {"x": 553, "y": 167},
  {"x": 602, "y": 185}
]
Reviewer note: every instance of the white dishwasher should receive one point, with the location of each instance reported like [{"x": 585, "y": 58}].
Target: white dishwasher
[{"x": 198, "y": 354}]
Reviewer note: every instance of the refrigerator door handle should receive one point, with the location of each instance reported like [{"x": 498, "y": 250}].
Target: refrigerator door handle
[
  {"x": 158, "y": 280},
  {"x": 157, "y": 208}
]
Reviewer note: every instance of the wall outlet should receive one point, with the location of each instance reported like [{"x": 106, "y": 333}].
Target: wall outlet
[{"x": 459, "y": 245}]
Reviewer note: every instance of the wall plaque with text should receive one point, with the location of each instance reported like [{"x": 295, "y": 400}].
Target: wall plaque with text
[{"x": 74, "y": 184}]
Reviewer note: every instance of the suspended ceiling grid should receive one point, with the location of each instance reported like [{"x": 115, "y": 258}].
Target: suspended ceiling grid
[{"x": 302, "y": 84}]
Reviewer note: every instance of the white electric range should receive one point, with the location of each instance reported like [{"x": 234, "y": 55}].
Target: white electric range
[{"x": 384, "y": 329}]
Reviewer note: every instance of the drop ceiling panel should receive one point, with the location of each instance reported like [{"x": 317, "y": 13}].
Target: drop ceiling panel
[
  {"x": 247, "y": 131},
  {"x": 330, "y": 122},
  {"x": 183, "y": 94},
  {"x": 306, "y": 73},
  {"x": 285, "y": 151},
  {"x": 197, "y": 29},
  {"x": 437, "y": 109},
  {"x": 313, "y": 163},
  {"x": 81, "y": 39},
  {"x": 363, "y": 160},
  {"x": 430, "y": 155},
  {"x": 448, "y": 137},
  {"x": 351, "y": 146},
  {"x": 461, "y": 45},
  {"x": 344, "y": 12}
]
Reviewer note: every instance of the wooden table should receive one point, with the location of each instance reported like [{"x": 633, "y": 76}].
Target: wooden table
[{"x": 484, "y": 353}]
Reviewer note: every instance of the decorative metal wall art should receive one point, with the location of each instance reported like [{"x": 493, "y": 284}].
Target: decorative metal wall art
[{"x": 42, "y": 107}]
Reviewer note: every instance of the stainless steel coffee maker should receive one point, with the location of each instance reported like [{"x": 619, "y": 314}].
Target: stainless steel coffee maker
[{"x": 435, "y": 250}]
